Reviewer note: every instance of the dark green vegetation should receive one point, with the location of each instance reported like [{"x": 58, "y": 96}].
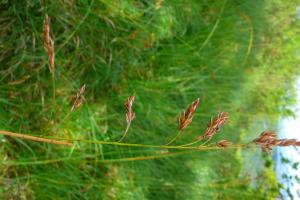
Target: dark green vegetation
[{"x": 238, "y": 56}]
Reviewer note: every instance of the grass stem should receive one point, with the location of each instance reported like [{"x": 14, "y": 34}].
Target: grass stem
[
  {"x": 68, "y": 142},
  {"x": 172, "y": 140},
  {"x": 191, "y": 143},
  {"x": 125, "y": 133}
]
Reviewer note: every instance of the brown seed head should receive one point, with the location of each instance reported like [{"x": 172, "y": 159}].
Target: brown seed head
[
  {"x": 186, "y": 117},
  {"x": 214, "y": 125},
  {"x": 79, "y": 98},
  {"x": 46, "y": 35},
  {"x": 265, "y": 136},
  {"x": 130, "y": 115},
  {"x": 48, "y": 44},
  {"x": 267, "y": 148},
  {"x": 76, "y": 104},
  {"x": 287, "y": 142},
  {"x": 223, "y": 143},
  {"x": 51, "y": 57},
  {"x": 81, "y": 91},
  {"x": 267, "y": 140}
]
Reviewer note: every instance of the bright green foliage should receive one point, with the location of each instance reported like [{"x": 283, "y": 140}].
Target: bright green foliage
[{"x": 239, "y": 56}]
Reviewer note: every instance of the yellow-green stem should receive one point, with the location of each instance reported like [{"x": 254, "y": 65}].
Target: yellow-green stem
[
  {"x": 206, "y": 141},
  {"x": 172, "y": 140},
  {"x": 191, "y": 143},
  {"x": 137, "y": 158},
  {"x": 56, "y": 140},
  {"x": 125, "y": 133}
]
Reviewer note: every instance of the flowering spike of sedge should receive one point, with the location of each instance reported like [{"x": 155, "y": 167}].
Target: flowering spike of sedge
[
  {"x": 46, "y": 30},
  {"x": 129, "y": 114},
  {"x": 212, "y": 128},
  {"x": 79, "y": 98},
  {"x": 81, "y": 91},
  {"x": 214, "y": 125},
  {"x": 51, "y": 57},
  {"x": 48, "y": 44},
  {"x": 186, "y": 117},
  {"x": 223, "y": 143},
  {"x": 268, "y": 139}
]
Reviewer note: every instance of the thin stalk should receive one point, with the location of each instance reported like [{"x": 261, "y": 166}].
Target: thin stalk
[
  {"x": 57, "y": 140},
  {"x": 125, "y": 133},
  {"x": 146, "y": 145},
  {"x": 126, "y": 159},
  {"x": 159, "y": 146},
  {"x": 206, "y": 141},
  {"x": 191, "y": 143},
  {"x": 172, "y": 140}
]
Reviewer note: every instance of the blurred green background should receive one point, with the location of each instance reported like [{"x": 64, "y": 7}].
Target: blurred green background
[{"x": 239, "y": 56}]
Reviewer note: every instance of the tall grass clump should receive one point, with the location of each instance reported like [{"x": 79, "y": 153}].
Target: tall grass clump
[{"x": 162, "y": 55}]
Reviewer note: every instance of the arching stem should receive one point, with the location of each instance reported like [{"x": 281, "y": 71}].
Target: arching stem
[
  {"x": 172, "y": 140},
  {"x": 125, "y": 133}
]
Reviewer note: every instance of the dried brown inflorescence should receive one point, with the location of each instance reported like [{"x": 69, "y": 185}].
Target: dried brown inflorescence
[
  {"x": 129, "y": 115},
  {"x": 214, "y": 125},
  {"x": 223, "y": 143},
  {"x": 48, "y": 44},
  {"x": 268, "y": 139},
  {"x": 46, "y": 33},
  {"x": 34, "y": 138},
  {"x": 186, "y": 117},
  {"x": 78, "y": 99}
]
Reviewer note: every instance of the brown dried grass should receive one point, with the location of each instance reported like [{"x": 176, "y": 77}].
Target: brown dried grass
[
  {"x": 268, "y": 139},
  {"x": 186, "y": 117},
  {"x": 34, "y": 138},
  {"x": 129, "y": 114},
  {"x": 223, "y": 143},
  {"x": 78, "y": 99},
  {"x": 214, "y": 126},
  {"x": 48, "y": 44}
]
